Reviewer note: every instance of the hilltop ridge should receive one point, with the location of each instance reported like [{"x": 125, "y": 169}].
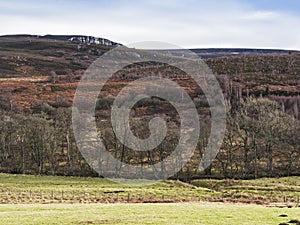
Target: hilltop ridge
[{"x": 73, "y": 38}]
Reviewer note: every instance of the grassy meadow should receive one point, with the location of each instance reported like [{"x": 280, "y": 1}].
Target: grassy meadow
[
  {"x": 20, "y": 189},
  {"x": 161, "y": 213},
  {"x": 27, "y": 199}
]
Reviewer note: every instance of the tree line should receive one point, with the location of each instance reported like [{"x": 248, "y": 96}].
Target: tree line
[{"x": 261, "y": 140}]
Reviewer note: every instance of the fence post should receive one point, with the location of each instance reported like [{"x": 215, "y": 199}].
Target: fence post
[{"x": 128, "y": 197}]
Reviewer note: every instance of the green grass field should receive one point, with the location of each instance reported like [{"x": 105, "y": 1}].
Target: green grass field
[
  {"x": 20, "y": 189},
  {"x": 174, "y": 213},
  {"x": 47, "y": 200}
]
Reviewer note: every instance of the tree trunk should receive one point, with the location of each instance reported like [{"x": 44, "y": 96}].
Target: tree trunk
[
  {"x": 246, "y": 160},
  {"x": 270, "y": 160}
]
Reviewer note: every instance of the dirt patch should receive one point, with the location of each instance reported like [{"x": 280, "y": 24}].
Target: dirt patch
[{"x": 99, "y": 222}]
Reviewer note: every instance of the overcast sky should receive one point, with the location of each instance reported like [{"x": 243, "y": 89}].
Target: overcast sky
[{"x": 186, "y": 23}]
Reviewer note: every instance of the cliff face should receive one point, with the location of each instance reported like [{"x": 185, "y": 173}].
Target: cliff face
[{"x": 93, "y": 40}]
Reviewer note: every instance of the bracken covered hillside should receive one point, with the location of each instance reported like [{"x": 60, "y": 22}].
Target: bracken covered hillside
[{"x": 33, "y": 59}]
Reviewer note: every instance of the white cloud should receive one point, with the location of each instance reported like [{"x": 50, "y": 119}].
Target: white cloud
[{"x": 261, "y": 15}]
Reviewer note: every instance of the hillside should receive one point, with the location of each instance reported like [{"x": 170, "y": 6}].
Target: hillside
[
  {"x": 223, "y": 52},
  {"x": 39, "y": 77},
  {"x": 24, "y": 56},
  {"x": 32, "y": 59}
]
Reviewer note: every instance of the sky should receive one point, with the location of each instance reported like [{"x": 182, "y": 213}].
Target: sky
[{"x": 185, "y": 23}]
